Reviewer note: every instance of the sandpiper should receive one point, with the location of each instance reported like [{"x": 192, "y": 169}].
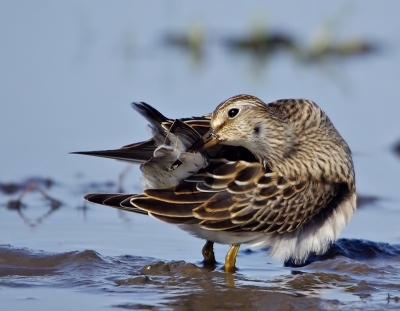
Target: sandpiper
[{"x": 277, "y": 175}]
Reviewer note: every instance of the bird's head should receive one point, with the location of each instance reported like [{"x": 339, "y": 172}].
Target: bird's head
[{"x": 293, "y": 137}]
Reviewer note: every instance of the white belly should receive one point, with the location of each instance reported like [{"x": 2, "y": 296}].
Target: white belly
[
  {"x": 224, "y": 237},
  {"x": 312, "y": 237}
]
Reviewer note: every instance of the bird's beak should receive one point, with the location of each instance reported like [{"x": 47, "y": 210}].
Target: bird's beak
[{"x": 207, "y": 141}]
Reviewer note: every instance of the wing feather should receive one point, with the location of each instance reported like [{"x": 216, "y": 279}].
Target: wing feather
[
  {"x": 163, "y": 208},
  {"x": 264, "y": 203},
  {"x": 222, "y": 225},
  {"x": 202, "y": 213}
]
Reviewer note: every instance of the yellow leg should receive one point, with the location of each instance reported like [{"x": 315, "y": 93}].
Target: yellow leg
[
  {"x": 208, "y": 253},
  {"x": 230, "y": 258}
]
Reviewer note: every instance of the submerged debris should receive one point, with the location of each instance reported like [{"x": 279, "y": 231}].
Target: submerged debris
[
  {"x": 363, "y": 200},
  {"x": 25, "y": 187},
  {"x": 13, "y": 187},
  {"x": 261, "y": 42}
]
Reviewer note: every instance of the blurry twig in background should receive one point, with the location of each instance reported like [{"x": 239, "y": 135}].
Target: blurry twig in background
[
  {"x": 192, "y": 41},
  {"x": 396, "y": 148},
  {"x": 33, "y": 186},
  {"x": 341, "y": 50},
  {"x": 323, "y": 44},
  {"x": 261, "y": 42},
  {"x": 12, "y": 187},
  {"x": 363, "y": 200},
  {"x": 18, "y": 205},
  {"x": 106, "y": 187},
  {"x": 122, "y": 176},
  {"x": 395, "y": 298}
]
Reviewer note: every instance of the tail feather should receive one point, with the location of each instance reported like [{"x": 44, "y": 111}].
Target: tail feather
[
  {"x": 187, "y": 130},
  {"x": 137, "y": 153}
]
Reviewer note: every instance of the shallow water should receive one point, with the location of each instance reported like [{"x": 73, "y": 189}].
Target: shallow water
[
  {"x": 69, "y": 71},
  {"x": 367, "y": 277},
  {"x": 97, "y": 257}
]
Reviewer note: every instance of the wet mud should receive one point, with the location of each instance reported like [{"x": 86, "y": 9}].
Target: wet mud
[{"x": 358, "y": 273}]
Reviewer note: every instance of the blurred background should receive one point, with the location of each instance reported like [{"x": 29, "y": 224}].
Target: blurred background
[{"x": 69, "y": 70}]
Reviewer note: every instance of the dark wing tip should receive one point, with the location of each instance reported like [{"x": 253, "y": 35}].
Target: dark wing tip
[
  {"x": 87, "y": 197},
  {"x": 148, "y": 112},
  {"x": 97, "y": 198},
  {"x": 109, "y": 199},
  {"x": 145, "y": 109},
  {"x": 140, "y": 105},
  {"x": 116, "y": 200}
]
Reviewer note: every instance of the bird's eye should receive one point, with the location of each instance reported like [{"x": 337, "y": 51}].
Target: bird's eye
[{"x": 233, "y": 113}]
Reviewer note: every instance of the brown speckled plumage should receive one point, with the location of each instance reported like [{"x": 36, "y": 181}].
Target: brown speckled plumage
[{"x": 277, "y": 174}]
